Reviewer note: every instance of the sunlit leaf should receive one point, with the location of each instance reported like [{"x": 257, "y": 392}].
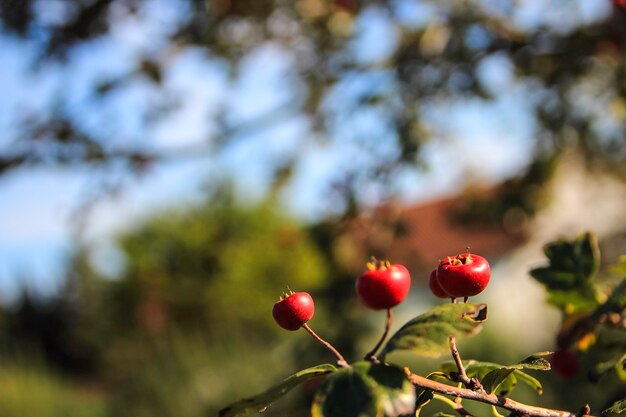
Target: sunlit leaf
[
  {"x": 428, "y": 333},
  {"x": 538, "y": 361},
  {"x": 266, "y": 398},
  {"x": 617, "y": 408}
]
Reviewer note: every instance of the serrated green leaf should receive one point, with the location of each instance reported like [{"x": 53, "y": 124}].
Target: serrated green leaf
[
  {"x": 569, "y": 273},
  {"x": 365, "y": 389},
  {"x": 554, "y": 279},
  {"x": 618, "y": 407},
  {"x": 266, "y": 398},
  {"x": 428, "y": 333}
]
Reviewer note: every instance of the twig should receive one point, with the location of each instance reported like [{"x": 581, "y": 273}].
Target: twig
[
  {"x": 471, "y": 383},
  {"x": 482, "y": 396},
  {"x": 371, "y": 355},
  {"x": 340, "y": 359}
]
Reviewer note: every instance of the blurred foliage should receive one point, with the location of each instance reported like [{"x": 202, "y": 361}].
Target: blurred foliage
[
  {"x": 31, "y": 391},
  {"x": 158, "y": 339},
  {"x": 593, "y": 311},
  {"x": 196, "y": 288},
  {"x": 425, "y": 54}
]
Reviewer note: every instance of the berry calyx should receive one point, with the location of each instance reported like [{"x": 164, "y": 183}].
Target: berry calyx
[
  {"x": 293, "y": 310},
  {"x": 463, "y": 275},
  {"x": 435, "y": 288},
  {"x": 564, "y": 363},
  {"x": 383, "y": 285}
]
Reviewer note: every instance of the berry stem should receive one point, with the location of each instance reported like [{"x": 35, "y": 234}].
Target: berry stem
[
  {"x": 371, "y": 355},
  {"x": 473, "y": 383},
  {"x": 341, "y": 362}
]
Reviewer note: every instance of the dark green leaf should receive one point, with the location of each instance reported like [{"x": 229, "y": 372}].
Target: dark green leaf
[
  {"x": 428, "y": 333},
  {"x": 442, "y": 414},
  {"x": 423, "y": 397},
  {"x": 502, "y": 379},
  {"x": 365, "y": 389},
  {"x": 618, "y": 408},
  {"x": 569, "y": 273},
  {"x": 617, "y": 366},
  {"x": 507, "y": 386},
  {"x": 266, "y": 398},
  {"x": 554, "y": 279},
  {"x": 492, "y": 381}
]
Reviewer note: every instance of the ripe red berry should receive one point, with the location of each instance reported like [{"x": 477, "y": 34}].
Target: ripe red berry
[
  {"x": 564, "y": 363},
  {"x": 435, "y": 287},
  {"x": 383, "y": 285},
  {"x": 463, "y": 275},
  {"x": 293, "y": 310}
]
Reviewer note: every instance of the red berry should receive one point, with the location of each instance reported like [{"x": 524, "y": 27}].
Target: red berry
[
  {"x": 463, "y": 275},
  {"x": 383, "y": 285},
  {"x": 435, "y": 287},
  {"x": 564, "y": 363},
  {"x": 293, "y": 310}
]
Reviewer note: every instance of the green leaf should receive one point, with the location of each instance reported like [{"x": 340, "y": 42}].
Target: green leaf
[
  {"x": 617, "y": 408},
  {"x": 569, "y": 273},
  {"x": 502, "y": 379},
  {"x": 494, "y": 379},
  {"x": 617, "y": 366},
  {"x": 440, "y": 375},
  {"x": 423, "y": 397},
  {"x": 365, "y": 389},
  {"x": 428, "y": 333},
  {"x": 442, "y": 414},
  {"x": 266, "y": 398},
  {"x": 538, "y": 361},
  {"x": 616, "y": 302},
  {"x": 531, "y": 381}
]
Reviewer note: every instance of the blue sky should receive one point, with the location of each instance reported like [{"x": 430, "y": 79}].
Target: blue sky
[{"x": 473, "y": 140}]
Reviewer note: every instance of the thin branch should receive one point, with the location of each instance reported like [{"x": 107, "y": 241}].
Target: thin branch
[
  {"x": 372, "y": 354},
  {"x": 482, "y": 396},
  {"x": 471, "y": 383},
  {"x": 340, "y": 359}
]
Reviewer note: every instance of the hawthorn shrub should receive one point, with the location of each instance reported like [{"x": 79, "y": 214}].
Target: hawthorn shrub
[{"x": 593, "y": 319}]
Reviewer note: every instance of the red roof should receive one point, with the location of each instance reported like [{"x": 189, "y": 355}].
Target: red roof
[{"x": 418, "y": 236}]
